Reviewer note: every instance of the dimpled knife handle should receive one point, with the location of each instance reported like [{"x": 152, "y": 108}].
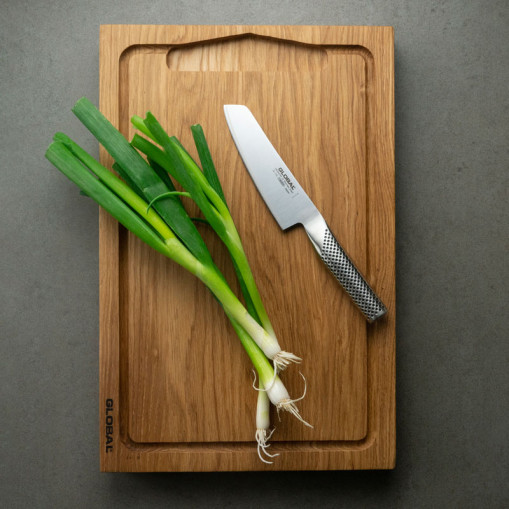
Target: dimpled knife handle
[
  {"x": 350, "y": 278},
  {"x": 343, "y": 268}
]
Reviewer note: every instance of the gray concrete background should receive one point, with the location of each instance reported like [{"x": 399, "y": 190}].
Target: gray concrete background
[{"x": 452, "y": 126}]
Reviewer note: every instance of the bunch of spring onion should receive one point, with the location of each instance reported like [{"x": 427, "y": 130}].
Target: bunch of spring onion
[{"x": 145, "y": 201}]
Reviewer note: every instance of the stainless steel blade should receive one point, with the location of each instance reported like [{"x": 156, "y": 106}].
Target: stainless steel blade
[{"x": 288, "y": 202}]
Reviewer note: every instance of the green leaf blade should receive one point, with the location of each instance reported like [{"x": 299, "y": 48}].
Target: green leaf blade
[
  {"x": 143, "y": 176},
  {"x": 207, "y": 164},
  {"x": 170, "y": 160},
  {"x": 63, "y": 159}
]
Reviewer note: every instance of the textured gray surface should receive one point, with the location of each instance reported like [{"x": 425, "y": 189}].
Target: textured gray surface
[{"x": 452, "y": 126}]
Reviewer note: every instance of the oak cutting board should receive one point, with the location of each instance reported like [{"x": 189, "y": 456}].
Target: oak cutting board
[{"x": 175, "y": 384}]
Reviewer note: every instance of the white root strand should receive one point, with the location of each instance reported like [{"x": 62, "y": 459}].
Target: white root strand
[
  {"x": 289, "y": 405},
  {"x": 283, "y": 359},
  {"x": 266, "y": 387},
  {"x": 262, "y": 439}
]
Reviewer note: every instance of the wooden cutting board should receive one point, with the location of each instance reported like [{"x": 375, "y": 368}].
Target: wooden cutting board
[{"x": 175, "y": 385}]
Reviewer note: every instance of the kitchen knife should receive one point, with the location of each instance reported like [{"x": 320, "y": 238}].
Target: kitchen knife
[{"x": 290, "y": 205}]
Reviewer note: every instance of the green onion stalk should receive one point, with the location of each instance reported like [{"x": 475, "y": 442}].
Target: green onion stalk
[
  {"x": 263, "y": 431},
  {"x": 161, "y": 222},
  {"x": 210, "y": 199}
]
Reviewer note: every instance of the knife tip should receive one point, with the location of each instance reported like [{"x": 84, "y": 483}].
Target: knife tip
[{"x": 228, "y": 107}]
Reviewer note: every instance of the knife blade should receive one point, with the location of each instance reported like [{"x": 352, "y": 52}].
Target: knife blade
[{"x": 290, "y": 205}]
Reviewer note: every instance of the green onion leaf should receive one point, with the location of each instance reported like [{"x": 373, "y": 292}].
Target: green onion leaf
[
  {"x": 209, "y": 170},
  {"x": 116, "y": 167},
  {"x": 167, "y": 195},
  {"x": 143, "y": 176},
  {"x": 207, "y": 163},
  {"x": 120, "y": 188},
  {"x": 140, "y": 125},
  {"x": 171, "y": 163},
  {"x": 163, "y": 175},
  {"x": 64, "y": 160}
]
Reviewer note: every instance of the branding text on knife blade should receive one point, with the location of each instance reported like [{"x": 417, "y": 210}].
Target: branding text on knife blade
[{"x": 284, "y": 180}]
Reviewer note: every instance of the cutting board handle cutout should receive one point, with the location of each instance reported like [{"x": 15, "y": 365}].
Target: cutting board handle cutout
[{"x": 247, "y": 52}]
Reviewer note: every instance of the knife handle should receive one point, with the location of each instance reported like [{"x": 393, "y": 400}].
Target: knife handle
[{"x": 344, "y": 270}]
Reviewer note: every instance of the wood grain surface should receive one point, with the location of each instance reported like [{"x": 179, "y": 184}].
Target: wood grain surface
[{"x": 176, "y": 390}]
